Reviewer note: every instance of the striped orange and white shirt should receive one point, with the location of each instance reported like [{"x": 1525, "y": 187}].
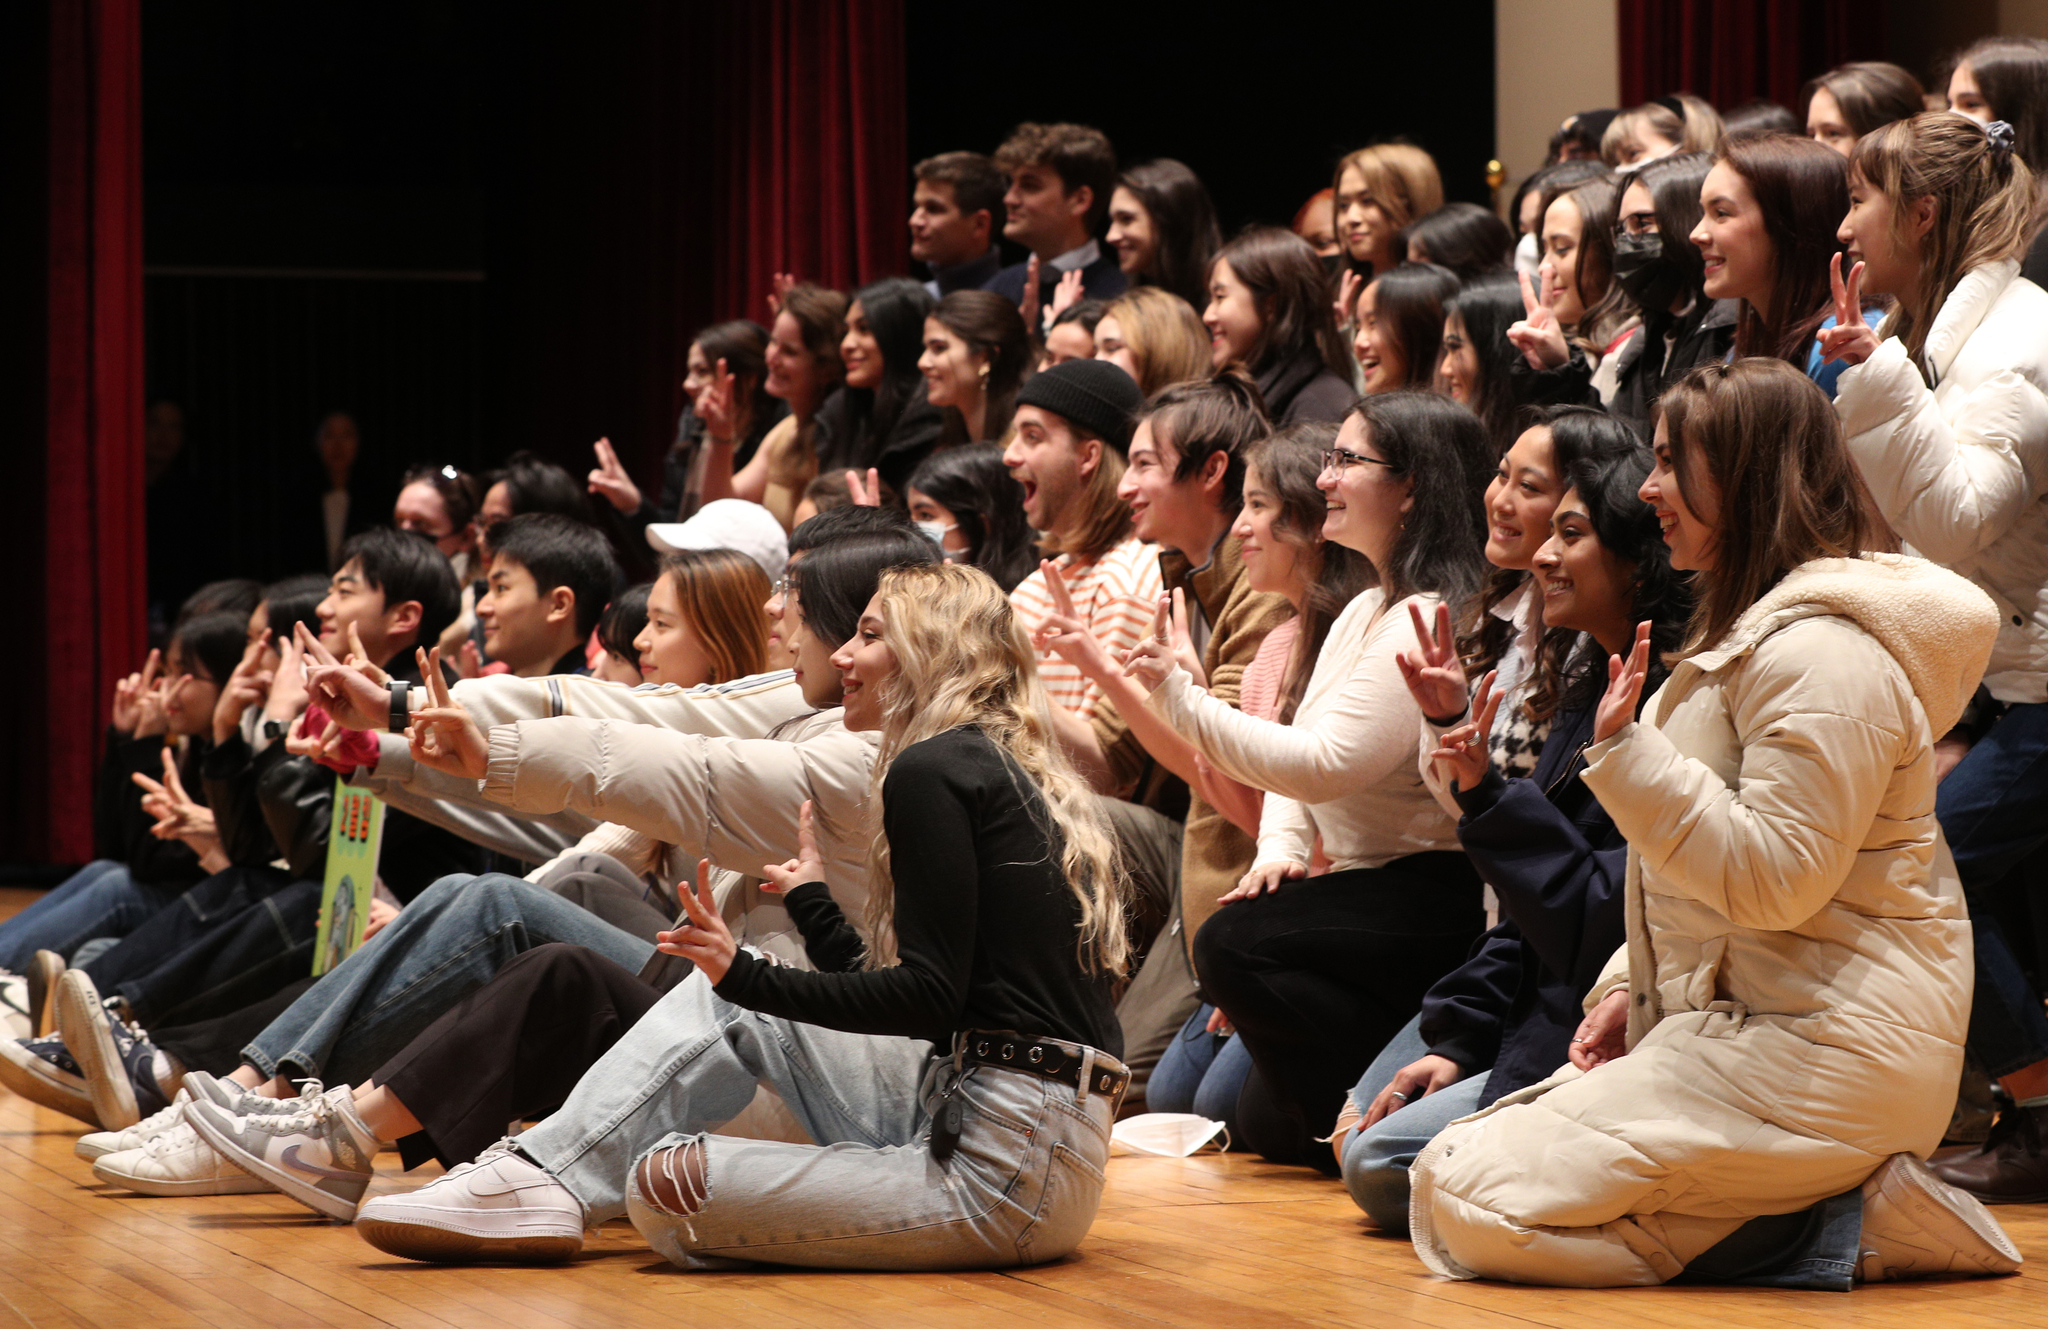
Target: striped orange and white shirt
[{"x": 1118, "y": 596}]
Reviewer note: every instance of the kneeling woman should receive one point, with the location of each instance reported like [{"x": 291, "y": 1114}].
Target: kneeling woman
[
  {"x": 1773, "y": 1044},
  {"x": 986, "y": 1152}
]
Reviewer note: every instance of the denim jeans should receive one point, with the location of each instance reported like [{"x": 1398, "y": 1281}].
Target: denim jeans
[
  {"x": 1200, "y": 1072},
  {"x": 1021, "y": 1187},
  {"x": 444, "y": 945},
  {"x": 101, "y": 899},
  {"x": 1990, "y": 809},
  {"x": 1376, "y": 1159},
  {"x": 221, "y": 927},
  {"x": 1813, "y": 1250}
]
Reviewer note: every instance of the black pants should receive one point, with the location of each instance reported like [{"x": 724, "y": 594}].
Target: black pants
[
  {"x": 514, "y": 1048},
  {"x": 182, "y": 967},
  {"x": 215, "y": 1044},
  {"x": 1321, "y": 974}
]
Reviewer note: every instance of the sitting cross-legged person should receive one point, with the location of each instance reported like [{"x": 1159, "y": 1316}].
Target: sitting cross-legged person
[{"x": 994, "y": 889}]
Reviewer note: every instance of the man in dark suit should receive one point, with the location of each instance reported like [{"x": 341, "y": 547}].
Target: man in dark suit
[
  {"x": 956, "y": 213},
  {"x": 1061, "y": 177}
]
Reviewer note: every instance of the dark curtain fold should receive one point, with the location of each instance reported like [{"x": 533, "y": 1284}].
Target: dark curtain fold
[
  {"x": 93, "y": 571},
  {"x": 1730, "y": 51},
  {"x": 809, "y": 158}
]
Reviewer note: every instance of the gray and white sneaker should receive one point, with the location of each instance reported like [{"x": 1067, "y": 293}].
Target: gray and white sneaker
[
  {"x": 42, "y": 1071},
  {"x": 323, "y": 1156},
  {"x": 98, "y": 1144},
  {"x": 177, "y": 1162},
  {"x": 503, "y": 1206},
  {"x": 1915, "y": 1225},
  {"x": 232, "y": 1098}
]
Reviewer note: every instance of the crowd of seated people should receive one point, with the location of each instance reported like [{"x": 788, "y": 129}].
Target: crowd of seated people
[{"x": 1532, "y": 717}]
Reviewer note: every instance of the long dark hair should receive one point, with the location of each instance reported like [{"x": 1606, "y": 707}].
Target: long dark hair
[
  {"x": 2012, "y": 73},
  {"x": 1871, "y": 93},
  {"x": 1292, "y": 291},
  {"x": 1289, "y": 461},
  {"x": 1184, "y": 222},
  {"x": 1627, "y": 528},
  {"x": 895, "y": 309},
  {"x": 1766, "y": 436},
  {"x": 1464, "y": 237},
  {"x": 972, "y": 483},
  {"x": 1411, "y": 299},
  {"x": 1486, "y": 309},
  {"x": 1801, "y": 188},
  {"x": 1577, "y": 434},
  {"x": 1673, "y": 184},
  {"x": 1443, "y": 448},
  {"x": 743, "y": 345},
  {"x": 990, "y": 324}
]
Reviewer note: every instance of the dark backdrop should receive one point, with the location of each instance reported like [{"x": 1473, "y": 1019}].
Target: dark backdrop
[{"x": 1260, "y": 104}]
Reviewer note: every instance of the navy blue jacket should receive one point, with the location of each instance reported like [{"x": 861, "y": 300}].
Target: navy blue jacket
[{"x": 1555, "y": 860}]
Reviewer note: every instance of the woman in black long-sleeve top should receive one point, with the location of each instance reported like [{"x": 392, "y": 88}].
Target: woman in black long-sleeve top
[
  {"x": 1505, "y": 1018},
  {"x": 960, "y": 1097}
]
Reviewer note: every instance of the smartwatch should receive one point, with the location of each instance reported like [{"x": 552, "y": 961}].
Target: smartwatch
[
  {"x": 273, "y": 730},
  {"x": 401, "y": 714}
]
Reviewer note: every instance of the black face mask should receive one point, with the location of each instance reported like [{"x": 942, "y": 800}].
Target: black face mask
[{"x": 1646, "y": 272}]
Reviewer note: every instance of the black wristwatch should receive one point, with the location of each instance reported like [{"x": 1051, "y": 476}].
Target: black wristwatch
[
  {"x": 401, "y": 714},
  {"x": 273, "y": 730}
]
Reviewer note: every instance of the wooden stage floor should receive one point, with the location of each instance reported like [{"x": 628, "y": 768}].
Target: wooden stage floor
[{"x": 1206, "y": 1241}]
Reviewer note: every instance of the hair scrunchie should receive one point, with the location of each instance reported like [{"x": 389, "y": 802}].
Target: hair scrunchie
[{"x": 2002, "y": 138}]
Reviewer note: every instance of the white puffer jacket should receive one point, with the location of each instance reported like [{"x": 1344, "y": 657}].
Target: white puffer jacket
[
  {"x": 1798, "y": 956},
  {"x": 1961, "y": 470}
]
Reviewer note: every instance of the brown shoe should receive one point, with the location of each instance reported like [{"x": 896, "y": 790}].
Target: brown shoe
[{"x": 2011, "y": 1167}]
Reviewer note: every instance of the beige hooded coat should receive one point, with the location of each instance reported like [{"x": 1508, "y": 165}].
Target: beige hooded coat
[{"x": 1798, "y": 954}]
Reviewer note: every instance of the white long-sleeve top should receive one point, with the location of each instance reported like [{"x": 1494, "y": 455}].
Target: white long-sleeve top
[{"x": 1345, "y": 768}]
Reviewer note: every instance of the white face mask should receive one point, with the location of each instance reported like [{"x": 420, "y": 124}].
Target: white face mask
[
  {"x": 935, "y": 531},
  {"x": 1166, "y": 1134},
  {"x": 1528, "y": 254}
]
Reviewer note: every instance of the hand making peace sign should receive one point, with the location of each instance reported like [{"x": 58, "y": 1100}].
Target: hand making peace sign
[
  {"x": 1539, "y": 336},
  {"x": 1851, "y": 340}
]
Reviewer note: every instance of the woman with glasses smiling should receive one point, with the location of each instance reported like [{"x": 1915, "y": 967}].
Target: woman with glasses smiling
[{"x": 1318, "y": 972}]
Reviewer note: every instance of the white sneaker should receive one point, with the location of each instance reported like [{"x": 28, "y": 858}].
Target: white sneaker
[
  {"x": 177, "y": 1162},
  {"x": 98, "y": 1144},
  {"x": 1915, "y": 1225},
  {"x": 501, "y": 1207},
  {"x": 323, "y": 1156},
  {"x": 232, "y": 1098},
  {"x": 17, "y": 1018}
]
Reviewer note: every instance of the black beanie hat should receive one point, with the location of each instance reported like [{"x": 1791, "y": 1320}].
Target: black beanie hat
[{"x": 1094, "y": 396}]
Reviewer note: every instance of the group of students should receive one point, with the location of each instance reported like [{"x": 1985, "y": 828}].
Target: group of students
[{"x": 1476, "y": 733}]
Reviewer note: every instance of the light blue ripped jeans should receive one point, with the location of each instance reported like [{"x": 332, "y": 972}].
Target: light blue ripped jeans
[{"x": 1021, "y": 1187}]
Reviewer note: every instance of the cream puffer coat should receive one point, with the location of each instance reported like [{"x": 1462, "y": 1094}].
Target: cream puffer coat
[
  {"x": 1798, "y": 952},
  {"x": 1961, "y": 469}
]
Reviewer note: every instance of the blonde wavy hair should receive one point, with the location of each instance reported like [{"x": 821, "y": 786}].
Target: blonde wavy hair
[
  {"x": 1165, "y": 334},
  {"x": 963, "y": 659}
]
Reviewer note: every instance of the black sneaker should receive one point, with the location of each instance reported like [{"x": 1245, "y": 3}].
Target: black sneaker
[
  {"x": 118, "y": 1062},
  {"x": 43, "y": 1071}
]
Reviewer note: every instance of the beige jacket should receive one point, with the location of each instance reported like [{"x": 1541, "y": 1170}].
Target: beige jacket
[
  {"x": 731, "y": 800},
  {"x": 1798, "y": 952}
]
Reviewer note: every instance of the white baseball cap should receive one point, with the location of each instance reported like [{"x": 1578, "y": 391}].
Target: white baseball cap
[{"x": 727, "y": 523}]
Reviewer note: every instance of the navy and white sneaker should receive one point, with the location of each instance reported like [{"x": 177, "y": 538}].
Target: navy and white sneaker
[
  {"x": 17, "y": 1019},
  {"x": 43, "y": 1071},
  {"x": 323, "y": 1156},
  {"x": 118, "y": 1062}
]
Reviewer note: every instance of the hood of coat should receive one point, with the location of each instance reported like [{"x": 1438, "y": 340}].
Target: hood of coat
[
  {"x": 1964, "y": 309},
  {"x": 1937, "y": 625}
]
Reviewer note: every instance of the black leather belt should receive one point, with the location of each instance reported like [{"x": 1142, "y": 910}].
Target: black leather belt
[{"x": 1053, "y": 1059}]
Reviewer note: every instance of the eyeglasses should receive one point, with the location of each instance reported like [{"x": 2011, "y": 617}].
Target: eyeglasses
[
  {"x": 1637, "y": 223},
  {"x": 1336, "y": 459}
]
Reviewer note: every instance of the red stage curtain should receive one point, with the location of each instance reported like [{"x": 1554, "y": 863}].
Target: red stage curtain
[
  {"x": 1730, "y": 51},
  {"x": 809, "y": 168},
  {"x": 93, "y": 566}
]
